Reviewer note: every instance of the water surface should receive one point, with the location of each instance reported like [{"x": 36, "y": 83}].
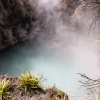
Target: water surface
[{"x": 56, "y": 67}]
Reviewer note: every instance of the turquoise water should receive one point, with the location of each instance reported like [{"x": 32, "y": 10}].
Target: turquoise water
[{"x": 56, "y": 67}]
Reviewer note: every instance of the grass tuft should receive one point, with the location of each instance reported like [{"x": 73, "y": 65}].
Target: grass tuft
[
  {"x": 31, "y": 82},
  {"x": 5, "y": 86}
]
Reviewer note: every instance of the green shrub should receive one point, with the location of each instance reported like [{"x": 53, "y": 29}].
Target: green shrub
[
  {"x": 30, "y": 82},
  {"x": 5, "y": 86}
]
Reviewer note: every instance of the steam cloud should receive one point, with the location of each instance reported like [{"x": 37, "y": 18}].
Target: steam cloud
[
  {"x": 68, "y": 46},
  {"x": 70, "y": 35}
]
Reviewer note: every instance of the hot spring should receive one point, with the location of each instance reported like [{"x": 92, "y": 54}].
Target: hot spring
[{"x": 69, "y": 50}]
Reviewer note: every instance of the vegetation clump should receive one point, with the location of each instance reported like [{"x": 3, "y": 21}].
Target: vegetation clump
[
  {"x": 5, "y": 86},
  {"x": 31, "y": 82}
]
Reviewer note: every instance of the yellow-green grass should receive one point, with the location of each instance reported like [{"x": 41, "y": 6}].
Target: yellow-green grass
[
  {"x": 5, "y": 86},
  {"x": 30, "y": 82}
]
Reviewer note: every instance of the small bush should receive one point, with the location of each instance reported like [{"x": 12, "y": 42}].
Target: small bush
[
  {"x": 30, "y": 82},
  {"x": 5, "y": 86}
]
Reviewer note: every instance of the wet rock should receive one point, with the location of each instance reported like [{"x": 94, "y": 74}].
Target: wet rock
[{"x": 16, "y": 18}]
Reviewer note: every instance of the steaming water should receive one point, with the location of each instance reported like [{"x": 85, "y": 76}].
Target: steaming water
[
  {"x": 59, "y": 59},
  {"x": 57, "y": 67}
]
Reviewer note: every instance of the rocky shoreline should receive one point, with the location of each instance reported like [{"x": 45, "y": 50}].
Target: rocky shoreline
[{"x": 16, "y": 92}]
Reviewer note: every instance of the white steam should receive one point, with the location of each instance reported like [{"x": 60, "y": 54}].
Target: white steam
[{"x": 70, "y": 35}]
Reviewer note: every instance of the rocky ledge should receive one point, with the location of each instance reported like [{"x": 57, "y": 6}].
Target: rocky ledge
[{"x": 11, "y": 89}]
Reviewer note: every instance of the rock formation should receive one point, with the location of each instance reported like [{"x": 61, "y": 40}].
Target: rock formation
[
  {"x": 21, "y": 20},
  {"x": 16, "y": 21}
]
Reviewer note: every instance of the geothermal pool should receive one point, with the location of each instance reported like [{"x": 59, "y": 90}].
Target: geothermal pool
[
  {"x": 65, "y": 47},
  {"x": 57, "y": 67}
]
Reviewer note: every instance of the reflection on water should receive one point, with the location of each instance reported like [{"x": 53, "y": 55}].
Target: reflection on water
[{"x": 57, "y": 68}]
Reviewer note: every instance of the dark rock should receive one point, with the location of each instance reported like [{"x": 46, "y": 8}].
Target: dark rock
[{"x": 16, "y": 18}]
